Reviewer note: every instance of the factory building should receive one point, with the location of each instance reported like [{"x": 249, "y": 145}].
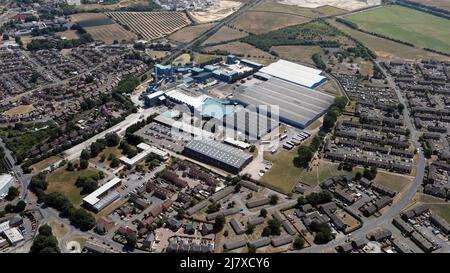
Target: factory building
[
  {"x": 218, "y": 154},
  {"x": 154, "y": 99},
  {"x": 295, "y": 73},
  {"x": 298, "y": 106},
  {"x": 163, "y": 70}
]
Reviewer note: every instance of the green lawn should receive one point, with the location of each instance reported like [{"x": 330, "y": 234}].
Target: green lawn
[
  {"x": 283, "y": 174},
  {"x": 63, "y": 181},
  {"x": 409, "y": 25},
  {"x": 392, "y": 181},
  {"x": 442, "y": 210}
]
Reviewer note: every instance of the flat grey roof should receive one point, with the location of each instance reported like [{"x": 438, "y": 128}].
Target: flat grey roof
[
  {"x": 296, "y": 103},
  {"x": 220, "y": 152}
]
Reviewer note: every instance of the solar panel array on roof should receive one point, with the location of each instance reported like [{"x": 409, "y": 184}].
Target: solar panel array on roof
[
  {"x": 218, "y": 154},
  {"x": 298, "y": 106}
]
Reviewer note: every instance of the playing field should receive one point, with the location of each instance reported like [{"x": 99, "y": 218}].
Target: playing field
[{"x": 409, "y": 25}]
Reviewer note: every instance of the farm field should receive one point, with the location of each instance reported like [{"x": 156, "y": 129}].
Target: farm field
[
  {"x": 347, "y": 4},
  {"x": 386, "y": 49},
  {"x": 189, "y": 33},
  {"x": 151, "y": 25},
  {"x": 443, "y": 4},
  {"x": 109, "y": 33},
  {"x": 301, "y": 54},
  {"x": 64, "y": 182},
  {"x": 260, "y": 22},
  {"x": 224, "y": 34},
  {"x": 274, "y": 6},
  {"x": 239, "y": 48},
  {"x": 409, "y": 25},
  {"x": 102, "y": 28}
]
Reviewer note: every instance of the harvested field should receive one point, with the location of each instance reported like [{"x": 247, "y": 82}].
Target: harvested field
[
  {"x": 342, "y": 4},
  {"x": 19, "y": 110},
  {"x": 409, "y": 25},
  {"x": 260, "y": 22},
  {"x": 157, "y": 54},
  {"x": 301, "y": 54},
  {"x": 225, "y": 8},
  {"x": 239, "y": 48},
  {"x": 274, "y": 6},
  {"x": 109, "y": 33},
  {"x": 386, "y": 49},
  {"x": 224, "y": 34},
  {"x": 151, "y": 25},
  {"x": 187, "y": 34}
]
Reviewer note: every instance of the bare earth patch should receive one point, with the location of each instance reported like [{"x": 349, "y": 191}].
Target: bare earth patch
[
  {"x": 342, "y": 4},
  {"x": 223, "y": 9},
  {"x": 19, "y": 110}
]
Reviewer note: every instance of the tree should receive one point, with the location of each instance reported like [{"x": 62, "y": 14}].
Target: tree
[
  {"x": 299, "y": 242},
  {"x": 180, "y": 214},
  {"x": 20, "y": 206},
  {"x": 213, "y": 207},
  {"x": 251, "y": 248},
  {"x": 131, "y": 240},
  {"x": 400, "y": 107},
  {"x": 370, "y": 174},
  {"x": 84, "y": 164},
  {"x": 358, "y": 176},
  {"x": 70, "y": 167},
  {"x": 112, "y": 139},
  {"x": 85, "y": 154},
  {"x": 274, "y": 225},
  {"x": 237, "y": 188},
  {"x": 5, "y": 37},
  {"x": 305, "y": 155},
  {"x": 45, "y": 242},
  {"x": 249, "y": 228},
  {"x": 273, "y": 199},
  {"x": 219, "y": 223},
  {"x": 114, "y": 163},
  {"x": 83, "y": 219},
  {"x": 13, "y": 192},
  {"x": 263, "y": 213}
]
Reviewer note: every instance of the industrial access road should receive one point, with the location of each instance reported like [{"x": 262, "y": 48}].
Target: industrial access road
[{"x": 407, "y": 196}]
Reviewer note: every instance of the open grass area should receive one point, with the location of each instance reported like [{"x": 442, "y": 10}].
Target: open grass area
[
  {"x": 201, "y": 58},
  {"x": 319, "y": 172},
  {"x": 224, "y": 34},
  {"x": 41, "y": 165},
  {"x": 58, "y": 229},
  {"x": 189, "y": 33},
  {"x": 183, "y": 59},
  {"x": 110, "y": 150},
  {"x": 283, "y": 174},
  {"x": 63, "y": 181},
  {"x": 442, "y": 210},
  {"x": 409, "y": 25},
  {"x": 387, "y": 49},
  {"x": 260, "y": 22},
  {"x": 19, "y": 110},
  {"x": 392, "y": 181},
  {"x": 240, "y": 49},
  {"x": 301, "y": 54}
]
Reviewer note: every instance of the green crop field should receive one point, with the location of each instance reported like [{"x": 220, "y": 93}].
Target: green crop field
[{"x": 412, "y": 26}]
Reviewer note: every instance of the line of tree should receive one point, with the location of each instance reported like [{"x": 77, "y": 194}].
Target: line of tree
[
  {"x": 80, "y": 218},
  {"x": 45, "y": 241}
]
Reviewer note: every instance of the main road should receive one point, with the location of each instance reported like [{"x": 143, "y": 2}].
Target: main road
[{"x": 404, "y": 199}]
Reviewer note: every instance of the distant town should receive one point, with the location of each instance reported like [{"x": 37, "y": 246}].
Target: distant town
[{"x": 213, "y": 126}]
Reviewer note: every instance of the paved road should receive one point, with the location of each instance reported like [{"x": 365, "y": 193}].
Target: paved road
[{"x": 407, "y": 196}]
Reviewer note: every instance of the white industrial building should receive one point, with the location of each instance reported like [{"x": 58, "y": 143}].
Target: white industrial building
[
  {"x": 13, "y": 236},
  {"x": 6, "y": 181},
  {"x": 294, "y": 73},
  {"x": 145, "y": 151},
  {"x": 103, "y": 196}
]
